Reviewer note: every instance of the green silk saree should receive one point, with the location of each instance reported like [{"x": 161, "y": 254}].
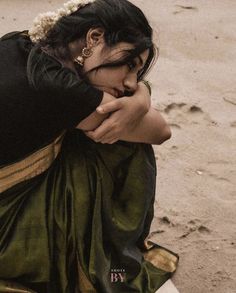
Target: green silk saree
[{"x": 81, "y": 225}]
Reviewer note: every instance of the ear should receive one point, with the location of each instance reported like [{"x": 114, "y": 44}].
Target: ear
[{"x": 94, "y": 37}]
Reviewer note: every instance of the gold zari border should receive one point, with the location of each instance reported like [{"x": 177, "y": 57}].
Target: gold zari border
[
  {"x": 31, "y": 166},
  {"x": 13, "y": 287},
  {"x": 84, "y": 284},
  {"x": 160, "y": 257}
]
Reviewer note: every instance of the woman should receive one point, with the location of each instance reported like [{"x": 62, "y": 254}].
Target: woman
[{"x": 77, "y": 181}]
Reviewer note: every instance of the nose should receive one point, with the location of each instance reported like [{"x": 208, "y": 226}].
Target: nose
[{"x": 131, "y": 82}]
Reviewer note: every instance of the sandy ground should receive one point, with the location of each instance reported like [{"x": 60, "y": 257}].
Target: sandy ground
[{"x": 194, "y": 85}]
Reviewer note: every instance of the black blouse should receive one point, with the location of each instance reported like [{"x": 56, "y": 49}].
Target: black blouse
[{"x": 39, "y": 101}]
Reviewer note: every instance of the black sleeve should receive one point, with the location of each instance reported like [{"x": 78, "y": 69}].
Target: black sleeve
[{"x": 77, "y": 97}]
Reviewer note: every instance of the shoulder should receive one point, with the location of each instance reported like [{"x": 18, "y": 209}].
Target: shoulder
[
  {"x": 45, "y": 72},
  {"x": 10, "y": 35},
  {"x": 16, "y": 38},
  {"x": 14, "y": 50}
]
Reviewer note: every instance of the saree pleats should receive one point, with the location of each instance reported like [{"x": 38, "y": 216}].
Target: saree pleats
[{"x": 77, "y": 225}]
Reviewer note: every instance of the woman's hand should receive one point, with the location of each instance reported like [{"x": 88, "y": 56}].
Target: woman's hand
[{"x": 125, "y": 115}]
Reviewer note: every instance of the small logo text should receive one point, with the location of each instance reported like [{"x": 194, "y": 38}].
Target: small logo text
[{"x": 117, "y": 275}]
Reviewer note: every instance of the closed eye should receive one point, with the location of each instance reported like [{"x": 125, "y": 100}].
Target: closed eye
[{"x": 131, "y": 65}]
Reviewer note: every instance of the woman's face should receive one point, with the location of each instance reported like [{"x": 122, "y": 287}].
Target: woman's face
[{"x": 114, "y": 80}]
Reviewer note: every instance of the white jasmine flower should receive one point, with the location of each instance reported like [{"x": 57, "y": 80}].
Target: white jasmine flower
[{"x": 45, "y": 21}]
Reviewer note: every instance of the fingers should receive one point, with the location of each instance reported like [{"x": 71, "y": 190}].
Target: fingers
[
  {"x": 109, "y": 127},
  {"x": 103, "y": 140},
  {"x": 109, "y": 107},
  {"x": 105, "y": 133},
  {"x": 109, "y": 141},
  {"x": 104, "y": 129}
]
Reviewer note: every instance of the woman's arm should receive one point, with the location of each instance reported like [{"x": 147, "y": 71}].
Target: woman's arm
[
  {"x": 150, "y": 126},
  {"x": 151, "y": 129},
  {"x": 95, "y": 119},
  {"x": 125, "y": 112}
]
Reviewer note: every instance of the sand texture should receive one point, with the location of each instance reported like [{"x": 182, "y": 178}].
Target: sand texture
[{"x": 194, "y": 86}]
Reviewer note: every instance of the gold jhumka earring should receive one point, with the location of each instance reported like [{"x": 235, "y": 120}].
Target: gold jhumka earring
[{"x": 86, "y": 52}]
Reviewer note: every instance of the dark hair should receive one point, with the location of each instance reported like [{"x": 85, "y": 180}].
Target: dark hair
[{"x": 121, "y": 20}]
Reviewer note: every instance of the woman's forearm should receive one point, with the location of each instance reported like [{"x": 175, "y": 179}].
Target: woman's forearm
[
  {"x": 152, "y": 129},
  {"x": 95, "y": 119},
  {"x": 141, "y": 102}
]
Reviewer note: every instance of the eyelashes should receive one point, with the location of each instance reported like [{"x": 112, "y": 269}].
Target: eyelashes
[{"x": 131, "y": 65}]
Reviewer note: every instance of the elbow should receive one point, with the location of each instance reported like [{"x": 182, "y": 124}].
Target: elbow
[{"x": 164, "y": 135}]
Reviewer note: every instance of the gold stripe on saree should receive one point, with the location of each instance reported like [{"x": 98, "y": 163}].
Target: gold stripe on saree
[
  {"x": 84, "y": 284},
  {"x": 159, "y": 257},
  {"x": 13, "y": 287},
  {"x": 31, "y": 166}
]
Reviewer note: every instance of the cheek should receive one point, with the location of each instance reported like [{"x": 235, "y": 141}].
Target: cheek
[{"x": 109, "y": 76}]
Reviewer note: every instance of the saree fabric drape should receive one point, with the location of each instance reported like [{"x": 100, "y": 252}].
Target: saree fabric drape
[{"x": 81, "y": 225}]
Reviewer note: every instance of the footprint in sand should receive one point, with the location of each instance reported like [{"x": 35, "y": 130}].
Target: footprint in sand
[
  {"x": 233, "y": 124},
  {"x": 195, "y": 110},
  {"x": 182, "y": 113},
  {"x": 173, "y": 106},
  {"x": 215, "y": 176},
  {"x": 195, "y": 226},
  {"x": 230, "y": 100},
  {"x": 204, "y": 230},
  {"x": 174, "y": 125},
  {"x": 164, "y": 223},
  {"x": 182, "y": 8}
]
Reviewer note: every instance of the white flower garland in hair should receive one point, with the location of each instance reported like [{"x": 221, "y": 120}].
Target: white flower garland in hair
[{"x": 45, "y": 21}]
